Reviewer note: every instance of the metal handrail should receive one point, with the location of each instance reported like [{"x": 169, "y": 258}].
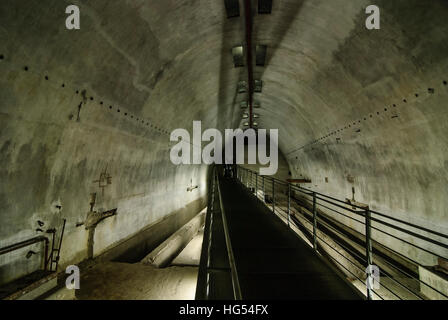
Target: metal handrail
[
  {"x": 314, "y": 199},
  {"x": 26, "y": 243},
  {"x": 202, "y": 287},
  {"x": 374, "y": 212},
  {"x": 202, "y": 282},
  {"x": 233, "y": 270},
  {"x": 344, "y": 206}
]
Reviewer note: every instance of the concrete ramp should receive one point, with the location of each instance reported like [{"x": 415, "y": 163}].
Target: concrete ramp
[
  {"x": 271, "y": 261},
  {"x": 162, "y": 256}
]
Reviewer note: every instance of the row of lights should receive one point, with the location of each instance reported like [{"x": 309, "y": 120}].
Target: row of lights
[{"x": 238, "y": 58}]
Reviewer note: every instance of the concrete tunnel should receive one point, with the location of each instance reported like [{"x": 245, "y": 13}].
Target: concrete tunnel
[{"x": 86, "y": 116}]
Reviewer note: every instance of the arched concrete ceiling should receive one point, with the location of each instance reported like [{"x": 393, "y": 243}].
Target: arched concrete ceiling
[
  {"x": 153, "y": 66},
  {"x": 337, "y": 92}
]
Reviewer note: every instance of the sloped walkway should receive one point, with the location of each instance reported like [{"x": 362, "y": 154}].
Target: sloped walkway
[{"x": 271, "y": 261}]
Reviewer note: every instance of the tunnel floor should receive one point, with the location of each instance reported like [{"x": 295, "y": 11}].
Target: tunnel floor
[
  {"x": 114, "y": 280},
  {"x": 125, "y": 281},
  {"x": 271, "y": 261}
]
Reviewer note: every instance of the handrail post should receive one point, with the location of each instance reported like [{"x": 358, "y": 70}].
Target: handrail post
[
  {"x": 273, "y": 195},
  {"x": 314, "y": 222},
  {"x": 369, "y": 253},
  {"x": 289, "y": 204},
  {"x": 250, "y": 181}
]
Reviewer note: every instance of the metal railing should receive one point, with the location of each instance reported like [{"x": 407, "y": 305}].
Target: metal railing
[
  {"x": 27, "y": 243},
  {"x": 50, "y": 260},
  {"x": 202, "y": 287},
  {"x": 233, "y": 271},
  {"x": 215, "y": 206},
  {"x": 342, "y": 232}
]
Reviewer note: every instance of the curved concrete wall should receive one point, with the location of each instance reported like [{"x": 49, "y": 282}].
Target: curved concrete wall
[
  {"x": 53, "y": 153},
  {"x": 153, "y": 66},
  {"x": 359, "y": 108}
]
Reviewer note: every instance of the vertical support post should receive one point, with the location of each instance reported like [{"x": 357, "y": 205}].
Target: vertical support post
[
  {"x": 253, "y": 182},
  {"x": 250, "y": 181},
  {"x": 60, "y": 244},
  {"x": 273, "y": 195},
  {"x": 289, "y": 204},
  {"x": 369, "y": 253},
  {"x": 264, "y": 194},
  {"x": 314, "y": 222},
  {"x": 256, "y": 184}
]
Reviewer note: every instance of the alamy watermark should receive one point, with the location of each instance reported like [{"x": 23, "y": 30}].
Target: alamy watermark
[
  {"x": 213, "y": 152},
  {"x": 373, "y": 277},
  {"x": 73, "y": 20},
  {"x": 373, "y": 20},
  {"x": 73, "y": 280}
]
